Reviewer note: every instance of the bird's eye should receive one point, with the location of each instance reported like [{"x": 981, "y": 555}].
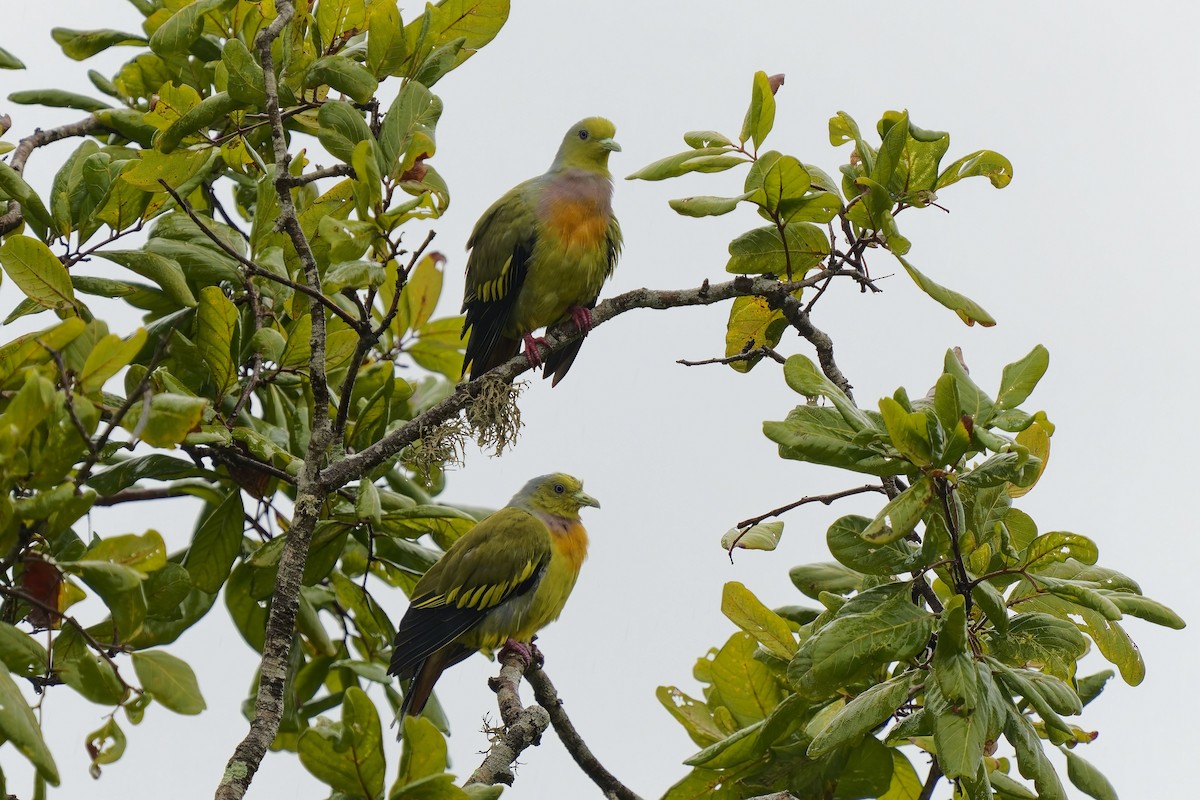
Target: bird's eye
[
  {"x": 559, "y": 488},
  {"x": 583, "y": 134}
]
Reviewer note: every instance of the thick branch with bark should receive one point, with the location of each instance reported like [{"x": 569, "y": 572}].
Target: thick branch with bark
[
  {"x": 521, "y": 728},
  {"x": 311, "y": 493},
  {"x": 775, "y": 291}
]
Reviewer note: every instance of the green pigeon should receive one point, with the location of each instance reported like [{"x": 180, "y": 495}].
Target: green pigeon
[{"x": 541, "y": 254}]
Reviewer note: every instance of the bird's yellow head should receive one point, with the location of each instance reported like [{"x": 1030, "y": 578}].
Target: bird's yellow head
[
  {"x": 587, "y": 145},
  {"x": 557, "y": 494}
]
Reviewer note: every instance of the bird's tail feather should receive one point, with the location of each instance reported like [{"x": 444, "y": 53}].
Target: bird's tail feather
[
  {"x": 427, "y": 674},
  {"x": 557, "y": 364}
]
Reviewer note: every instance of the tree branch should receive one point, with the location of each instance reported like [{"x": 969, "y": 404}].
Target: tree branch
[
  {"x": 310, "y": 492},
  {"x": 522, "y": 726},
  {"x": 354, "y": 466},
  {"x": 12, "y": 219},
  {"x": 547, "y": 697}
]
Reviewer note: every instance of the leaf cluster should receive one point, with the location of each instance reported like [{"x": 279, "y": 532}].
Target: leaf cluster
[
  {"x": 948, "y": 622},
  {"x": 214, "y": 397}
]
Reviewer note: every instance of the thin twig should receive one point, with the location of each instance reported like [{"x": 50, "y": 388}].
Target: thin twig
[
  {"x": 253, "y": 268},
  {"x": 746, "y": 355},
  {"x": 139, "y": 393},
  {"x": 547, "y": 697},
  {"x": 931, "y": 780},
  {"x": 827, "y": 499},
  {"x": 101, "y": 649},
  {"x": 338, "y": 170}
]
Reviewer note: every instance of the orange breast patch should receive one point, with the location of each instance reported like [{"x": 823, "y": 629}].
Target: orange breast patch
[
  {"x": 571, "y": 544},
  {"x": 578, "y": 224}
]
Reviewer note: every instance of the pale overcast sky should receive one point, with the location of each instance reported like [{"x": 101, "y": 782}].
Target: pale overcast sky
[{"x": 1086, "y": 252}]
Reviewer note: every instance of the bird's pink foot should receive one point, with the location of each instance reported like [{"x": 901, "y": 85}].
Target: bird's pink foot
[
  {"x": 521, "y": 649},
  {"x": 582, "y": 317},
  {"x": 531, "y": 349}
]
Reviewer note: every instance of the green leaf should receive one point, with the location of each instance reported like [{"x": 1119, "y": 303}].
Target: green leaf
[
  {"x": 748, "y": 613},
  {"x": 822, "y": 435},
  {"x": 953, "y": 666},
  {"x": 1144, "y": 608},
  {"x": 1020, "y": 377},
  {"x": 386, "y": 50},
  {"x": 170, "y": 680},
  {"x": 176, "y": 168},
  {"x": 422, "y": 290},
  {"x": 1037, "y": 638},
  {"x": 451, "y": 31},
  {"x": 9, "y": 61},
  {"x": 144, "y": 553},
  {"x": 706, "y": 206},
  {"x": 91, "y": 676},
  {"x": 20, "y": 652},
  {"x": 908, "y": 431},
  {"x": 813, "y": 579},
  {"x": 216, "y": 321},
  {"x": 79, "y": 45},
  {"x": 1087, "y": 778},
  {"x": 175, "y": 36},
  {"x": 211, "y": 112},
  {"x": 1080, "y": 595},
  {"x": 106, "y": 744},
  {"x": 738, "y": 748},
  {"x": 110, "y": 355},
  {"x": 848, "y": 546},
  {"x": 170, "y": 419},
  {"x": 777, "y": 183},
  {"x": 346, "y": 76},
  {"x": 967, "y": 309},
  {"x": 342, "y": 127},
  {"x": 760, "y": 117},
  {"x": 37, "y": 272},
  {"x": 163, "y": 271},
  {"x": 1031, "y": 759},
  {"x": 705, "y": 159},
  {"x": 747, "y": 687},
  {"x": 216, "y": 543},
  {"x": 57, "y": 98},
  {"x": 863, "y": 714},
  {"x": 408, "y": 129},
  {"x": 763, "y": 536},
  {"x": 890, "y": 629},
  {"x": 901, "y": 514},
  {"x": 959, "y": 734},
  {"x": 692, "y": 714},
  {"x": 154, "y": 466},
  {"x": 1056, "y": 547},
  {"x": 19, "y": 727},
  {"x": 424, "y": 752},
  {"x": 246, "y": 84},
  {"x": 752, "y": 324},
  {"x": 993, "y": 166},
  {"x": 347, "y": 755},
  {"x": 763, "y": 250}
]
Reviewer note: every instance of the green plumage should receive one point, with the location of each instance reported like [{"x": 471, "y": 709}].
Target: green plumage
[
  {"x": 505, "y": 578},
  {"x": 542, "y": 252}
]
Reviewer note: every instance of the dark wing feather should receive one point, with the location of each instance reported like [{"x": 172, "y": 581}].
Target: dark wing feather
[
  {"x": 501, "y": 244},
  {"x": 503, "y": 557}
]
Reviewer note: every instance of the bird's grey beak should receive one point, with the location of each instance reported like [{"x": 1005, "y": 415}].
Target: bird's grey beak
[
  {"x": 586, "y": 499},
  {"x": 610, "y": 144}
]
